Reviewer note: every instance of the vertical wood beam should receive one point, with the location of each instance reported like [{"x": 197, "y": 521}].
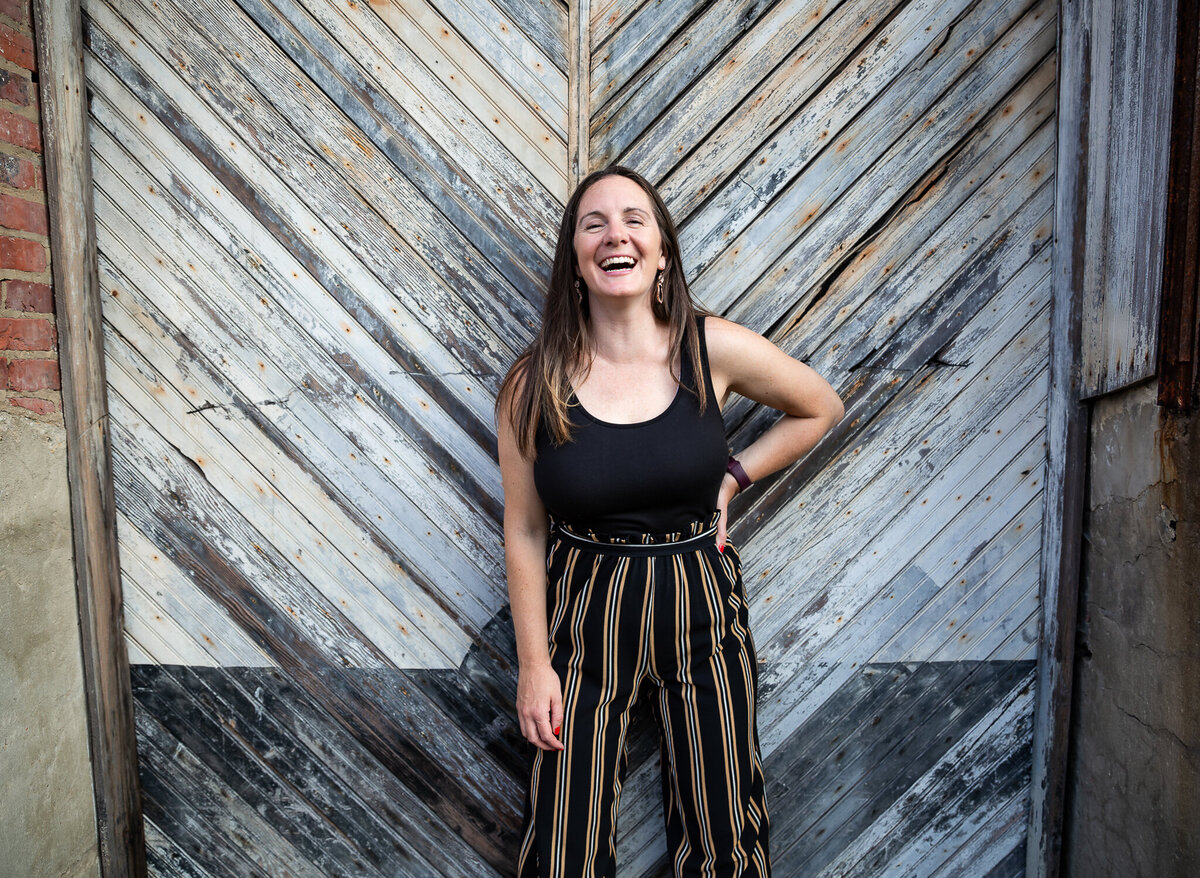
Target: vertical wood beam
[
  {"x": 1067, "y": 425},
  {"x": 58, "y": 30},
  {"x": 579, "y": 89},
  {"x": 1179, "y": 318}
]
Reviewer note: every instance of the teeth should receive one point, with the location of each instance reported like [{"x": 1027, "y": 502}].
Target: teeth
[{"x": 617, "y": 262}]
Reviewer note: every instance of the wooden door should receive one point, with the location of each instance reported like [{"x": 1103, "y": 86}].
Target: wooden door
[
  {"x": 871, "y": 185},
  {"x": 324, "y": 228}
]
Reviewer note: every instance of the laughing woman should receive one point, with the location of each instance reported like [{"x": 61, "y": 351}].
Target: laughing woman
[{"x": 617, "y": 478}]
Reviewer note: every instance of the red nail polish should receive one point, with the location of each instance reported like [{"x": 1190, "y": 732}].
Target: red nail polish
[
  {"x": 721, "y": 548},
  {"x": 556, "y": 731}
]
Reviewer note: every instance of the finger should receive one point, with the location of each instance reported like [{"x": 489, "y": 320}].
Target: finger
[
  {"x": 721, "y": 531},
  {"x": 556, "y": 714},
  {"x": 529, "y": 730},
  {"x": 547, "y": 741}
]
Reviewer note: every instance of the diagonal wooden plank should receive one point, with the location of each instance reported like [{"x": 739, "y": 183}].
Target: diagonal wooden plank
[
  {"x": 646, "y": 130},
  {"x": 497, "y": 218},
  {"x": 624, "y": 45},
  {"x": 408, "y": 49}
]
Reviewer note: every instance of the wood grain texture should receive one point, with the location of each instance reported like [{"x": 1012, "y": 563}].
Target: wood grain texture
[
  {"x": 1066, "y": 440},
  {"x": 1179, "y": 320},
  {"x": 1132, "y": 48},
  {"x": 873, "y": 188},
  {"x": 111, "y": 742},
  {"x": 323, "y": 233}
]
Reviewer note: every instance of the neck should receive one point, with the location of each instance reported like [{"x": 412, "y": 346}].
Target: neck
[{"x": 624, "y": 330}]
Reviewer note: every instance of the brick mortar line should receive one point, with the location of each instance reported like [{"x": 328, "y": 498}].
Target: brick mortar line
[
  {"x": 32, "y": 315},
  {"x": 10, "y": 355},
  {"x": 25, "y": 195}
]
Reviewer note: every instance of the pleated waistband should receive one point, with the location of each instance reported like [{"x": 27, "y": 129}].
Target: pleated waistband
[{"x": 696, "y": 536}]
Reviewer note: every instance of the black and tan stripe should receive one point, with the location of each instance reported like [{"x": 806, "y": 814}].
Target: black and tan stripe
[{"x": 672, "y": 611}]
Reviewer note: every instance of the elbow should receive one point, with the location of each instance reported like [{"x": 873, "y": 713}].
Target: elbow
[{"x": 834, "y": 411}]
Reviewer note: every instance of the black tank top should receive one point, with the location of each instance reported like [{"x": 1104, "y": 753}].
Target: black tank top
[{"x": 655, "y": 476}]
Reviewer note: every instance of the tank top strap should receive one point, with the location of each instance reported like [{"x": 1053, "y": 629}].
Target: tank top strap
[{"x": 704, "y": 367}]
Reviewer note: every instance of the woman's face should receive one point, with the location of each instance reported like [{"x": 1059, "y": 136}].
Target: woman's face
[{"x": 618, "y": 247}]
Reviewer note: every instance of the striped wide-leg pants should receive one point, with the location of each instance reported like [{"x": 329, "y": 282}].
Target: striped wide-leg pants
[{"x": 669, "y": 611}]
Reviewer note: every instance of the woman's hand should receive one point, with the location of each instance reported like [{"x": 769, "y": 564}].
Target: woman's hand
[
  {"x": 729, "y": 487},
  {"x": 540, "y": 705}
]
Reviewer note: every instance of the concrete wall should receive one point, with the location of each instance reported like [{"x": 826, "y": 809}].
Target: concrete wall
[
  {"x": 1133, "y": 806},
  {"x": 47, "y": 822}
]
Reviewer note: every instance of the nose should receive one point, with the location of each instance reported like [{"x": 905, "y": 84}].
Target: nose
[{"x": 616, "y": 234}]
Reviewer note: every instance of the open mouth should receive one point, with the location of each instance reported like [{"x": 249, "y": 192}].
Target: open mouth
[{"x": 615, "y": 264}]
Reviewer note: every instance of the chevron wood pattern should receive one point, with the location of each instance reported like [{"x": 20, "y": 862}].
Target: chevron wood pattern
[
  {"x": 871, "y": 186},
  {"x": 324, "y": 228}
]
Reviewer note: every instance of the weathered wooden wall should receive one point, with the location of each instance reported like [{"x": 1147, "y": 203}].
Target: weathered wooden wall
[
  {"x": 1131, "y": 57},
  {"x": 323, "y": 228},
  {"x": 871, "y": 185}
]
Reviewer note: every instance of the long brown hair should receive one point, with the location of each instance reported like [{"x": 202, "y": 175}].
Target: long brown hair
[{"x": 538, "y": 385}]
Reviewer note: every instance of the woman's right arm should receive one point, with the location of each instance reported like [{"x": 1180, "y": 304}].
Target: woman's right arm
[{"x": 526, "y": 530}]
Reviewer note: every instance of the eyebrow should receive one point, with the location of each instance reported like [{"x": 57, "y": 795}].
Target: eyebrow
[{"x": 631, "y": 209}]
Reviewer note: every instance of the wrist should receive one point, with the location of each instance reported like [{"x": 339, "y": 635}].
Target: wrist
[
  {"x": 733, "y": 468},
  {"x": 533, "y": 663}
]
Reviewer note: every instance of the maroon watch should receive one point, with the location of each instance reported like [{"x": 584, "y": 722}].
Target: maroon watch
[{"x": 734, "y": 468}]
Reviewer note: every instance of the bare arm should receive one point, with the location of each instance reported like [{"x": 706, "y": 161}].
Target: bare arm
[
  {"x": 526, "y": 529},
  {"x": 744, "y": 362}
]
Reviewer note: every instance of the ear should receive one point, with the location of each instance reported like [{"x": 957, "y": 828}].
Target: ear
[{"x": 662, "y": 262}]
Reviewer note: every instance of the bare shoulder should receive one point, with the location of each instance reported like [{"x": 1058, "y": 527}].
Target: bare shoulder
[
  {"x": 730, "y": 344},
  {"x": 722, "y": 334},
  {"x": 732, "y": 348},
  {"x": 745, "y": 362}
]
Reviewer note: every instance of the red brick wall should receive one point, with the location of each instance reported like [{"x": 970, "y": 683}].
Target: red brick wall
[{"x": 29, "y": 382}]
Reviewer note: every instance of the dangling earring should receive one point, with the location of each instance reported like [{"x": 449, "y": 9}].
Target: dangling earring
[
  {"x": 578, "y": 292},
  {"x": 658, "y": 294}
]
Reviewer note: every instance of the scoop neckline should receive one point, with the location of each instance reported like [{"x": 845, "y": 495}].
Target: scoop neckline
[{"x": 658, "y": 417}]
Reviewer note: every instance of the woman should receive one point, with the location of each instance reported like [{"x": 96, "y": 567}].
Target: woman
[{"x": 616, "y": 482}]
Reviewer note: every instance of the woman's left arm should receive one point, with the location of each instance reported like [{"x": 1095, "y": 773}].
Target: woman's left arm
[{"x": 744, "y": 362}]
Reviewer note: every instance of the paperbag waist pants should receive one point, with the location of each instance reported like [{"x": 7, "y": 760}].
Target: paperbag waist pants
[{"x": 668, "y": 611}]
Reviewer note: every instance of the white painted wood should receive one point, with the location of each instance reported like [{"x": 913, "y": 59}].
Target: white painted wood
[
  {"x": 420, "y": 40},
  {"x": 928, "y": 444},
  {"x": 290, "y": 409},
  {"x": 620, "y": 130},
  {"x": 286, "y": 383},
  {"x": 274, "y": 255},
  {"x": 165, "y": 589},
  {"x": 765, "y": 250},
  {"x": 427, "y": 314},
  {"x": 1132, "y": 65},
  {"x": 853, "y": 620},
  {"x": 792, "y": 83},
  {"x": 401, "y": 636},
  {"x": 830, "y": 116},
  {"x": 490, "y": 28}
]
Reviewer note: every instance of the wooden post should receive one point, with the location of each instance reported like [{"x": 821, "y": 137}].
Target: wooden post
[
  {"x": 58, "y": 32},
  {"x": 1067, "y": 425},
  {"x": 579, "y": 88},
  {"x": 1179, "y": 318}
]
